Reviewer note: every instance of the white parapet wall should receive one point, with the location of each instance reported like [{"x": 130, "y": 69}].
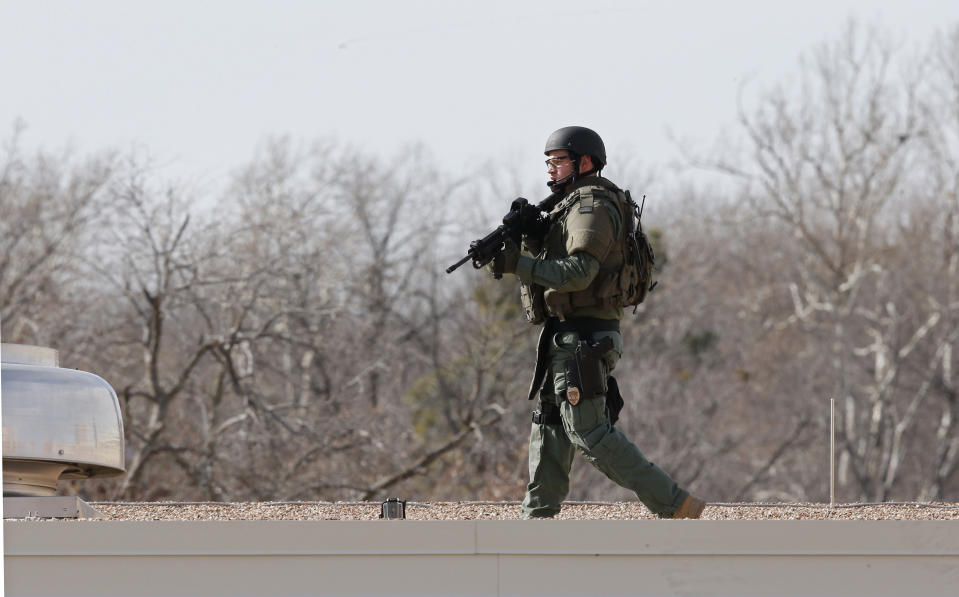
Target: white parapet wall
[{"x": 482, "y": 557}]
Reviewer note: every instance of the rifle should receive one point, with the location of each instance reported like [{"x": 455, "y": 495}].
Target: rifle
[{"x": 522, "y": 219}]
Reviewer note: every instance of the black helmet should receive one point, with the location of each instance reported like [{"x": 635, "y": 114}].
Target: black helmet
[{"x": 580, "y": 141}]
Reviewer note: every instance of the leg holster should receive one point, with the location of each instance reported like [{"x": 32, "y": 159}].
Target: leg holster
[{"x": 585, "y": 377}]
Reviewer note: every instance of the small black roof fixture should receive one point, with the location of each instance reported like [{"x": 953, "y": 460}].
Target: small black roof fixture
[{"x": 393, "y": 509}]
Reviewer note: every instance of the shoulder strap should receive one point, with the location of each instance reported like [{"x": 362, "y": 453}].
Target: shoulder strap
[{"x": 586, "y": 196}]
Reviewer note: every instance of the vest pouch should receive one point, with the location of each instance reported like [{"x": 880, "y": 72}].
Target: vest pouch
[
  {"x": 636, "y": 275},
  {"x": 602, "y": 293},
  {"x": 557, "y": 303},
  {"x": 606, "y": 288},
  {"x": 629, "y": 285},
  {"x": 531, "y": 295}
]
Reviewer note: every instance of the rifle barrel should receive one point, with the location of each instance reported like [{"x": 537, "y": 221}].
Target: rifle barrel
[{"x": 453, "y": 267}]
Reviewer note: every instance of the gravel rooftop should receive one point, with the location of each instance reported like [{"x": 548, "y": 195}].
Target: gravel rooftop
[{"x": 511, "y": 510}]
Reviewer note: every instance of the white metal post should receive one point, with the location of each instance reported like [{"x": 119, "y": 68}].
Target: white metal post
[{"x": 832, "y": 452}]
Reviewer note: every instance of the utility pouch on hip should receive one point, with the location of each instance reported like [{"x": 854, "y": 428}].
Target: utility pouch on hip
[
  {"x": 614, "y": 400},
  {"x": 584, "y": 372},
  {"x": 531, "y": 295}
]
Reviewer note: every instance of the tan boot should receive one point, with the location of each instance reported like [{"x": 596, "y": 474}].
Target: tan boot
[{"x": 692, "y": 507}]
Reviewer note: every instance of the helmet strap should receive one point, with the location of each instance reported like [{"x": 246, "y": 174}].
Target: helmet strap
[{"x": 558, "y": 185}]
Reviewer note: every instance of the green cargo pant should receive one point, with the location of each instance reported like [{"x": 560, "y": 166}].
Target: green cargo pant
[{"x": 585, "y": 427}]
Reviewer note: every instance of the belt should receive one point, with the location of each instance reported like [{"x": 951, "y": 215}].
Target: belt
[{"x": 583, "y": 326}]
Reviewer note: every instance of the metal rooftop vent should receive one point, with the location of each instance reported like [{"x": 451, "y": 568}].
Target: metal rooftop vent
[{"x": 57, "y": 423}]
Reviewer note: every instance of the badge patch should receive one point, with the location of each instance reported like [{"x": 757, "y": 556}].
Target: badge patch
[{"x": 573, "y": 395}]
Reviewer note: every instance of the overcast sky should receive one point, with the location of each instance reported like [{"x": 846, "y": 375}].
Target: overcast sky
[{"x": 200, "y": 84}]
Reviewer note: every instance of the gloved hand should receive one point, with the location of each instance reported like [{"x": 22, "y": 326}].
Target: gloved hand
[
  {"x": 505, "y": 261},
  {"x": 526, "y": 219}
]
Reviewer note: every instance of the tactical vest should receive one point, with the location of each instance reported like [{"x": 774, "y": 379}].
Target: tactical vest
[{"x": 584, "y": 221}]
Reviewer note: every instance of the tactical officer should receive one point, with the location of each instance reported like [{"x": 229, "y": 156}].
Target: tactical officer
[{"x": 568, "y": 277}]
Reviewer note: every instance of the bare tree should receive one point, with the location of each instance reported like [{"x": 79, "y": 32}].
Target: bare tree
[
  {"x": 48, "y": 204},
  {"x": 828, "y": 162},
  {"x": 941, "y": 257},
  {"x": 151, "y": 264}
]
